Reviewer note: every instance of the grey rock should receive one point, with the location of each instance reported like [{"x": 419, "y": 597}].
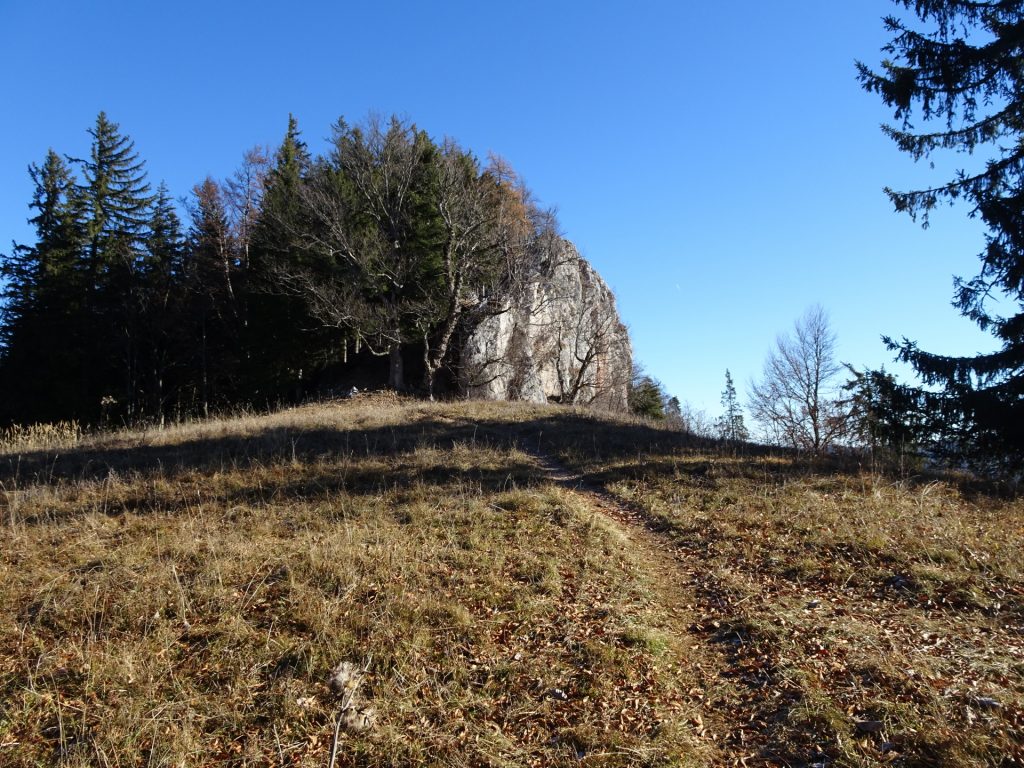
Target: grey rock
[{"x": 555, "y": 336}]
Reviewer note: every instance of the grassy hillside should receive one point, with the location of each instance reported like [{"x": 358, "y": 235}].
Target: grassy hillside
[{"x": 512, "y": 585}]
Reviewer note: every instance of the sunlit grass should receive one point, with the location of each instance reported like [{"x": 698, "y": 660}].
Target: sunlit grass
[
  {"x": 184, "y": 606},
  {"x": 862, "y": 618},
  {"x": 179, "y": 596}
]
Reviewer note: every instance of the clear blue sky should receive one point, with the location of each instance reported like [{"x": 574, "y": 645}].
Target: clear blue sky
[{"x": 717, "y": 162}]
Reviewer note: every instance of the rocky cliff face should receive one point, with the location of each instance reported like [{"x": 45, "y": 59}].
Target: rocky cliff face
[{"x": 556, "y": 337}]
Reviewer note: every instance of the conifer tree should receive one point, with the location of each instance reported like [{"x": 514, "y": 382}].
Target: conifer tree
[
  {"x": 33, "y": 271},
  {"x": 118, "y": 202},
  {"x": 278, "y": 226},
  {"x": 41, "y": 339},
  {"x": 957, "y": 72},
  {"x": 280, "y": 335},
  {"x": 164, "y": 315},
  {"x": 889, "y": 419},
  {"x": 118, "y": 205},
  {"x": 730, "y": 425},
  {"x": 213, "y": 317},
  {"x": 646, "y": 395},
  {"x": 164, "y": 247}
]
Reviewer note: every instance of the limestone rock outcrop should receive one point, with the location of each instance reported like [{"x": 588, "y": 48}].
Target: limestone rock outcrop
[{"x": 555, "y": 336}]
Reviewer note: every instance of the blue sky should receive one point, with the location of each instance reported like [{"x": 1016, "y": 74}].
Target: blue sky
[{"x": 718, "y": 163}]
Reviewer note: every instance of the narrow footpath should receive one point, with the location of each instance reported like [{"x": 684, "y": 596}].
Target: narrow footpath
[{"x": 701, "y": 610}]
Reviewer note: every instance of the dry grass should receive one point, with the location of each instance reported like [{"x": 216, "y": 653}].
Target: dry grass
[
  {"x": 860, "y": 620},
  {"x": 18, "y": 437},
  {"x": 179, "y": 597}
]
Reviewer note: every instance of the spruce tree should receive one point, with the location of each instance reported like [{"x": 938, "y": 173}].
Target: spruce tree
[
  {"x": 958, "y": 73},
  {"x": 165, "y": 341},
  {"x": 41, "y": 332},
  {"x": 889, "y": 419},
  {"x": 32, "y": 271},
  {"x": 730, "y": 425},
  {"x": 646, "y": 395},
  {"x": 213, "y": 314},
  {"x": 280, "y": 340},
  {"x": 118, "y": 201},
  {"x": 118, "y": 206}
]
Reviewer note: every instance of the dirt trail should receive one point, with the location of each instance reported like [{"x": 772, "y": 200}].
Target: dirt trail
[
  {"x": 677, "y": 577},
  {"x": 738, "y": 726},
  {"x": 738, "y": 732}
]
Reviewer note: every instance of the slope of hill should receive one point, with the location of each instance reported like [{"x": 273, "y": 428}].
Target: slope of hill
[{"x": 509, "y": 584}]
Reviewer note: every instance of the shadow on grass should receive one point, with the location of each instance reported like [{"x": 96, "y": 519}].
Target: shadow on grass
[
  {"x": 604, "y": 451},
  {"x": 284, "y": 488},
  {"x": 275, "y": 445}
]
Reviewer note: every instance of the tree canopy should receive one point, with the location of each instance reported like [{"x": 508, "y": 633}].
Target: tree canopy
[{"x": 295, "y": 272}]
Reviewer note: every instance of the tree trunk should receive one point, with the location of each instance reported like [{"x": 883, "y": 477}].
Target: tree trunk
[
  {"x": 432, "y": 359},
  {"x": 205, "y": 384},
  {"x": 396, "y": 369},
  {"x": 429, "y": 369}
]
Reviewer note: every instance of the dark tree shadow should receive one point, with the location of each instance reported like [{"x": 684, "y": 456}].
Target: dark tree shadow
[{"x": 600, "y": 450}]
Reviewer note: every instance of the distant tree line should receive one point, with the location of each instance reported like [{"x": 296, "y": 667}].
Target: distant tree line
[{"x": 362, "y": 265}]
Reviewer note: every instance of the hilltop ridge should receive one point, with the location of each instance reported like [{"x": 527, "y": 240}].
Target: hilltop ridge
[{"x": 509, "y": 583}]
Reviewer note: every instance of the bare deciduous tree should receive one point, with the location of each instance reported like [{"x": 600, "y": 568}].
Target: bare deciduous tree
[
  {"x": 796, "y": 400},
  {"x": 243, "y": 196},
  {"x": 695, "y": 421},
  {"x": 585, "y": 345},
  {"x": 403, "y": 237},
  {"x": 385, "y": 166},
  {"x": 472, "y": 256}
]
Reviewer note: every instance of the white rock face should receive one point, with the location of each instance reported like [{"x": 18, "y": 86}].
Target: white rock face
[{"x": 556, "y": 338}]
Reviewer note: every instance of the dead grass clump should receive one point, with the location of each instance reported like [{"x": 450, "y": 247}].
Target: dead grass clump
[{"x": 18, "y": 437}]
